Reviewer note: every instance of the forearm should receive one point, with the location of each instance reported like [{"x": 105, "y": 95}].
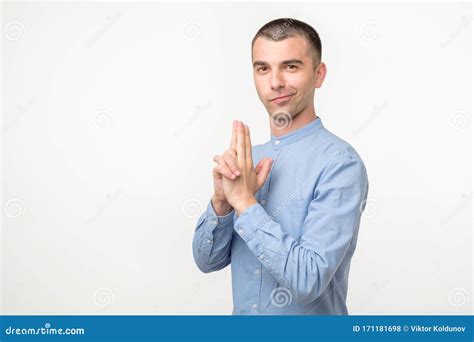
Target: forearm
[
  {"x": 305, "y": 267},
  {"x": 290, "y": 264},
  {"x": 212, "y": 240}
]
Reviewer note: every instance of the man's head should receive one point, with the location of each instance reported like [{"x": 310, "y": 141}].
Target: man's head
[{"x": 286, "y": 57}]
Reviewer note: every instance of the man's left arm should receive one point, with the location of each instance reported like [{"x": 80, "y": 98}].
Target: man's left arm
[{"x": 306, "y": 267}]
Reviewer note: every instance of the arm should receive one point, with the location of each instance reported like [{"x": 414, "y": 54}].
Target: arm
[
  {"x": 213, "y": 237},
  {"x": 307, "y": 267}
]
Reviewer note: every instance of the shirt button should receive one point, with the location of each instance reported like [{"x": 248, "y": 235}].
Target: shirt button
[
  {"x": 241, "y": 231},
  {"x": 254, "y": 306},
  {"x": 257, "y": 271},
  {"x": 277, "y": 142},
  {"x": 214, "y": 222},
  {"x": 261, "y": 256},
  {"x": 263, "y": 201},
  {"x": 208, "y": 241}
]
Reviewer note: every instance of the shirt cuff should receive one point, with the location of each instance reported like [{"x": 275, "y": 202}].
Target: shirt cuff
[
  {"x": 219, "y": 220},
  {"x": 251, "y": 220}
]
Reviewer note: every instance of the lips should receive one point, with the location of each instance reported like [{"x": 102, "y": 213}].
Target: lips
[{"x": 282, "y": 99}]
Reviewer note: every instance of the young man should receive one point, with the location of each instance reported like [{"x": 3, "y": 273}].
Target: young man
[{"x": 285, "y": 214}]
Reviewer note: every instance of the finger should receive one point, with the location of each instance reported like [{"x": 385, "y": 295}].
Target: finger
[
  {"x": 240, "y": 144},
  {"x": 229, "y": 159},
  {"x": 219, "y": 160},
  {"x": 223, "y": 167},
  {"x": 231, "y": 153},
  {"x": 216, "y": 158},
  {"x": 258, "y": 168},
  {"x": 265, "y": 170},
  {"x": 248, "y": 147},
  {"x": 216, "y": 173},
  {"x": 224, "y": 171},
  {"x": 233, "y": 141}
]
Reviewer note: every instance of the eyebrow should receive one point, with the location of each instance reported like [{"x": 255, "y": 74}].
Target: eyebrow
[
  {"x": 292, "y": 61},
  {"x": 286, "y": 62}
]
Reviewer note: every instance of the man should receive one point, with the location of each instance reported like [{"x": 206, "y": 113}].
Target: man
[{"x": 285, "y": 214}]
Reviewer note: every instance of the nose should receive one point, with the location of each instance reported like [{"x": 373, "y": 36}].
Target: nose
[{"x": 277, "y": 81}]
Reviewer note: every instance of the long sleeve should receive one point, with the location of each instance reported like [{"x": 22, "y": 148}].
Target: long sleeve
[
  {"x": 307, "y": 266},
  {"x": 212, "y": 240}
]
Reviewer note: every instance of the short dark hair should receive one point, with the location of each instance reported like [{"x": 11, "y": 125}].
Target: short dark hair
[{"x": 283, "y": 28}]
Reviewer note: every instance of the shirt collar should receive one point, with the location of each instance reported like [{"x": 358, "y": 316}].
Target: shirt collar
[{"x": 296, "y": 135}]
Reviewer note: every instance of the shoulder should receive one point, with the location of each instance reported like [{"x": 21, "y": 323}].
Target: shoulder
[
  {"x": 333, "y": 148},
  {"x": 343, "y": 171},
  {"x": 337, "y": 160}
]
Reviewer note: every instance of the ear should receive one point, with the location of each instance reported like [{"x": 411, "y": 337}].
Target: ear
[{"x": 320, "y": 72}]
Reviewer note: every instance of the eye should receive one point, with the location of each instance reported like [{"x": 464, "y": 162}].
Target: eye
[
  {"x": 262, "y": 69},
  {"x": 292, "y": 67}
]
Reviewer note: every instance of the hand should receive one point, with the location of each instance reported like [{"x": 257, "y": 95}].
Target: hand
[
  {"x": 226, "y": 167},
  {"x": 240, "y": 191}
]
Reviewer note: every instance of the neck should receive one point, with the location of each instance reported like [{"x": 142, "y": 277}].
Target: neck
[{"x": 302, "y": 119}]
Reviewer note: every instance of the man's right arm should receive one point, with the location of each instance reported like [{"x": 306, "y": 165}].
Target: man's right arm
[{"x": 213, "y": 237}]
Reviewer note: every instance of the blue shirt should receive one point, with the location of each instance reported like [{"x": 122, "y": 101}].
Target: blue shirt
[{"x": 290, "y": 253}]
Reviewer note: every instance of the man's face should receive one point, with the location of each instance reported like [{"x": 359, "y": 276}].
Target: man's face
[{"x": 284, "y": 74}]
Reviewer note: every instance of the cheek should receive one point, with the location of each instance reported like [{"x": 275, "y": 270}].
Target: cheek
[
  {"x": 259, "y": 86},
  {"x": 304, "y": 86}
]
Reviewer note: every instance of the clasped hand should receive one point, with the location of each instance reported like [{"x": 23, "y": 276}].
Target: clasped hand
[{"x": 236, "y": 181}]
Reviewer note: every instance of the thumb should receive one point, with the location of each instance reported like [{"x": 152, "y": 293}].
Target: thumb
[
  {"x": 259, "y": 165},
  {"x": 262, "y": 170}
]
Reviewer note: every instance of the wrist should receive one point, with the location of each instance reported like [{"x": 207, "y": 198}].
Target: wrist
[
  {"x": 245, "y": 203},
  {"x": 221, "y": 207}
]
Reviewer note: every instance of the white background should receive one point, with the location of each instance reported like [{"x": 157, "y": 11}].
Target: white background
[{"x": 112, "y": 113}]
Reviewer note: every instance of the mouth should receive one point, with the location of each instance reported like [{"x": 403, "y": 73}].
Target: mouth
[{"x": 281, "y": 99}]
